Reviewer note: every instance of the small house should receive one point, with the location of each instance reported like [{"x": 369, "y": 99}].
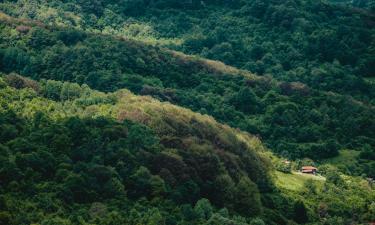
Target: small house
[{"x": 309, "y": 169}]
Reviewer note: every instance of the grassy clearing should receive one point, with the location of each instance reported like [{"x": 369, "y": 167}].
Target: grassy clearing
[
  {"x": 370, "y": 80},
  {"x": 346, "y": 162},
  {"x": 345, "y": 157},
  {"x": 295, "y": 181}
]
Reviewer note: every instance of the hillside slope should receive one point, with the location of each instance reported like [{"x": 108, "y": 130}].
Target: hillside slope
[
  {"x": 294, "y": 120},
  {"x": 72, "y": 155},
  {"x": 78, "y": 148},
  {"x": 121, "y": 150},
  {"x": 326, "y": 46}
]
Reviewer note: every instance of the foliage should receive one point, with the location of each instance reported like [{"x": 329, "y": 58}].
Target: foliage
[
  {"x": 78, "y": 148},
  {"x": 74, "y": 153},
  {"x": 289, "y": 117}
]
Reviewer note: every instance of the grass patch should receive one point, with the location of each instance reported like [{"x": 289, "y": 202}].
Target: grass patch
[
  {"x": 345, "y": 157},
  {"x": 346, "y": 162},
  {"x": 370, "y": 80},
  {"x": 295, "y": 181}
]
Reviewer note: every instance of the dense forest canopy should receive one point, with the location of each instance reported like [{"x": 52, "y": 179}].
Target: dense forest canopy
[
  {"x": 88, "y": 156},
  {"x": 325, "y": 46},
  {"x": 294, "y": 120},
  {"x": 187, "y": 112},
  {"x": 83, "y": 146}
]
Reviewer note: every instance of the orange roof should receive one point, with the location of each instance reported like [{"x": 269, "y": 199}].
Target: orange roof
[{"x": 308, "y": 168}]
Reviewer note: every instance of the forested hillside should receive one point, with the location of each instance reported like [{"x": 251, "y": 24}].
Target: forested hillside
[
  {"x": 76, "y": 146},
  {"x": 71, "y": 155},
  {"x": 325, "y": 46},
  {"x": 294, "y": 120},
  {"x": 365, "y": 4},
  {"x": 186, "y": 112}
]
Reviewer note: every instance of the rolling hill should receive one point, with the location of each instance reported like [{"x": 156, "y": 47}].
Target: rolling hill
[
  {"x": 186, "y": 112},
  {"x": 294, "y": 120}
]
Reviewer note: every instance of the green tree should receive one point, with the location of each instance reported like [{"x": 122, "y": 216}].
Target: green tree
[
  {"x": 5, "y": 218},
  {"x": 257, "y": 221},
  {"x": 300, "y": 212},
  {"x": 52, "y": 89},
  {"x": 70, "y": 91},
  {"x": 247, "y": 198},
  {"x": 203, "y": 209},
  {"x": 246, "y": 101}
]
